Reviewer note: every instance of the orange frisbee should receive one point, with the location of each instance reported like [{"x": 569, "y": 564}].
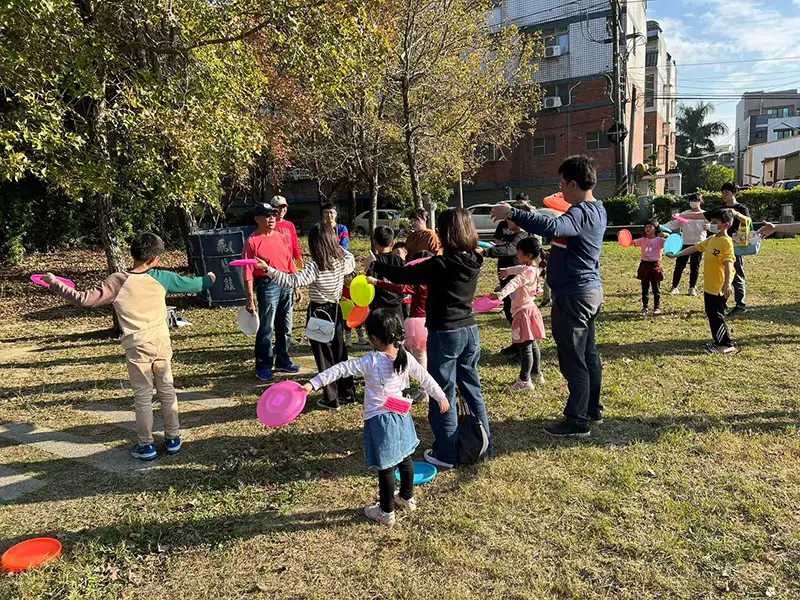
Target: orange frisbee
[
  {"x": 357, "y": 316},
  {"x": 31, "y": 554},
  {"x": 625, "y": 238},
  {"x": 557, "y": 202}
]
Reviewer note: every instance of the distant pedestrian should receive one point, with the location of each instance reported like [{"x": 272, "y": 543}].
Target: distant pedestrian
[{"x": 329, "y": 215}]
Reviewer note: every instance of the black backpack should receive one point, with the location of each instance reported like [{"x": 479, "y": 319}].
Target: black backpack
[{"x": 472, "y": 444}]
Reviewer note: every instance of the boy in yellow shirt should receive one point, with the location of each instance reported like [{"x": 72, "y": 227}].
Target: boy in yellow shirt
[{"x": 719, "y": 258}]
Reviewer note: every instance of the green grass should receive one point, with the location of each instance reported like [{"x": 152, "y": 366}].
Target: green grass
[{"x": 689, "y": 490}]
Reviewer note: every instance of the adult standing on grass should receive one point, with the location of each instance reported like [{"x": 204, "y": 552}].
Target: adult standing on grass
[
  {"x": 329, "y": 215},
  {"x": 275, "y": 304},
  {"x": 287, "y": 229},
  {"x": 421, "y": 238},
  {"x": 573, "y": 272}
]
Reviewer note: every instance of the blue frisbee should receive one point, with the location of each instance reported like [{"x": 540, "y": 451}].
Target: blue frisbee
[
  {"x": 423, "y": 473},
  {"x": 485, "y": 245},
  {"x": 674, "y": 244}
]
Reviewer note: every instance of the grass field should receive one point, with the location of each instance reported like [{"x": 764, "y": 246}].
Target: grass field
[{"x": 689, "y": 490}]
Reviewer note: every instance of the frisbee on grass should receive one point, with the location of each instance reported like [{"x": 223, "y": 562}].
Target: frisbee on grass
[
  {"x": 31, "y": 554},
  {"x": 625, "y": 238},
  {"x": 243, "y": 262},
  {"x": 281, "y": 403},
  {"x": 37, "y": 279},
  {"x": 557, "y": 202},
  {"x": 357, "y": 316},
  {"x": 423, "y": 473},
  {"x": 673, "y": 244},
  {"x": 485, "y": 304},
  {"x": 248, "y": 324}
]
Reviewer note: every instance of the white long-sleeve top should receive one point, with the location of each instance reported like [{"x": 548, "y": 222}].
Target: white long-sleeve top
[
  {"x": 380, "y": 380},
  {"x": 324, "y": 287},
  {"x": 693, "y": 232}
]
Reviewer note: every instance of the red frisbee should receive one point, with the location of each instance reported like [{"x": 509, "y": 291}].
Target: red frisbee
[
  {"x": 31, "y": 554},
  {"x": 37, "y": 279},
  {"x": 625, "y": 238},
  {"x": 557, "y": 202},
  {"x": 357, "y": 316},
  {"x": 242, "y": 262}
]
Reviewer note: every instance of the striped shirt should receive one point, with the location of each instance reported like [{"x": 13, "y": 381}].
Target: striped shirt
[{"x": 324, "y": 287}]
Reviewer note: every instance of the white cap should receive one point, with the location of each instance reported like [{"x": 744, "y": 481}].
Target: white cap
[{"x": 278, "y": 201}]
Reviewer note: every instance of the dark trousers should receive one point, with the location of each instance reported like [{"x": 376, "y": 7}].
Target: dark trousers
[
  {"x": 656, "y": 287},
  {"x": 573, "y": 323},
  {"x": 694, "y": 268},
  {"x": 739, "y": 283},
  {"x": 530, "y": 359},
  {"x": 715, "y": 311},
  {"x": 334, "y": 352},
  {"x": 386, "y": 484},
  {"x": 507, "y": 300},
  {"x": 275, "y": 305}
]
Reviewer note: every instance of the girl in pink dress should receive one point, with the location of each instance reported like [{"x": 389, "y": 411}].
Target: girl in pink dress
[
  {"x": 526, "y": 325},
  {"x": 650, "y": 272}
]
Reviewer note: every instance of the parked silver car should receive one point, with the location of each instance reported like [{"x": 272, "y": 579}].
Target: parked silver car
[{"x": 387, "y": 217}]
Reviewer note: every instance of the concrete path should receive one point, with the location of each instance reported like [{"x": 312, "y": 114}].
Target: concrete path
[{"x": 14, "y": 484}]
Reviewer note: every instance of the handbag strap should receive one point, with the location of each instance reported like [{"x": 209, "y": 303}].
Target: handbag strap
[{"x": 323, "y": 311}]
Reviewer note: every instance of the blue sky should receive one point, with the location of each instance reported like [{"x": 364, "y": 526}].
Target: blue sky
[{"x": 721, "y": 31}]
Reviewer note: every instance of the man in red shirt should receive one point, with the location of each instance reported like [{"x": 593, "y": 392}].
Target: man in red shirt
[
  {"x": 287, "y": 228},
  {"x": 274, "y": 303}
]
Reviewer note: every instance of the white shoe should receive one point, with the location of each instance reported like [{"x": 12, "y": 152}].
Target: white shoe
[
  {"x": 522, "y": 385},
  {"x": 430, "y": 458},
  {"x": 644, "y": 312},
  {"x": 692, "y": 292},
  {"x": 657, "y": 311},
  {"x": 675, "y": 291},
  {"x": 538, "y": 379},
  {"x": 410, "y": 504},
  {"x": 375, "y": 513}
]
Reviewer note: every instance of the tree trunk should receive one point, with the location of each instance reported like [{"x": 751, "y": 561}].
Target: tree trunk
[
  {"x": 188, "y": 225},
  {"x": 351, "y": 206},
  {"x": 411, "y": 155},
  {"x": 112, "y": 244},
  {"x": 373, "y": 202}
]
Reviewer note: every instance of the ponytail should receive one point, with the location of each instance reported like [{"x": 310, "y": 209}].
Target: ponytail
[
  {"x": 401, "y": 360},
  {"x": 384, "y": 325}
]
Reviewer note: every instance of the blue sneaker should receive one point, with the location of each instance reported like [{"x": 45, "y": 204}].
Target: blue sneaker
[
  {"x": 264, "y": 373},
  {"x": 173, "y": 445},
  {"x": 288, "y": 368},
  {"x": 147, "y": 452}
]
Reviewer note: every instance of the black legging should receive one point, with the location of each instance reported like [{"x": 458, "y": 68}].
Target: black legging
[
  {"x": 332, "y": 353},
  {"x": 530, "y": 359},
  {"x": 694, "y": 268},
  {"x": 656, "y": 294},
  {"x": 386, "y": 484}
]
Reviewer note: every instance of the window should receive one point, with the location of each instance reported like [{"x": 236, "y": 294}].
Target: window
[
  {"x": 559, "y": 36},
  {"x": 543, "y": 146},
  {"x": 785, "y": 133},
  {"x": 597, "y": 140},
  {"x": 650, "y": 91},
  {"x": 648, "y": 151},
  {"x": 782, "y": 111},
  {"x": 482, "y": 211},
  {"x": 561, "y": 90},
  {"x": 492, "y": 153}
]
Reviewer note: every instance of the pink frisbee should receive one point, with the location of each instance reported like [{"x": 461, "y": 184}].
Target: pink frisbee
[
  {"x": 37, "y": 279},
  {"x": 680, "y": 219},
  {"x": 281, "y": 403},
  {"x": 417, "y": 261},
  {"x": 485, "y": 304},
  {"x": 243, "y": 262}
]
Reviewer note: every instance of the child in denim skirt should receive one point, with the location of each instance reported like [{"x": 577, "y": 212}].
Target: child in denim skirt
[{"x": 389, "y": 435}]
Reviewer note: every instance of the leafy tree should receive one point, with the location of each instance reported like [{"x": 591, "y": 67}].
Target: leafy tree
[
  {"x": 714, "y": 176},
  {"x": 695, "y": 140}
]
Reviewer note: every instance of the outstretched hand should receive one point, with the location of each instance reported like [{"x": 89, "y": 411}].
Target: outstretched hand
[
  {"x": 371, "y": 280},
  {"x": 49, "y": 278},
  {"x": 261, "y": 265},
  {"x": 308, "y": 388},
  {"x": 767, "y": 230},
  {"x": 500, "y": 211}
]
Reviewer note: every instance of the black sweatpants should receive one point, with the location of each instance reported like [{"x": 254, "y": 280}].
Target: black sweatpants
[
  {"x": 715, "y": 311},
  {"x": 656, "y": 286},
  {"x": 386, "y": 484},
  {"x": 332, "y": 353},
  {"x": 694, "y": 268}
]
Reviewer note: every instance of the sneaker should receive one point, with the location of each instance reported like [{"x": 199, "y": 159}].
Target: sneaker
[
  {"x": 264, "y": 373},
  {"x": 173, "y": 445},
  {"x": 692, "y": 292},
  {"x": 522, "y": 385},
  {"x": 564, "y": 428},
  {"x": 538, "y": 379},
  {"x": 512, "y": 349},
  {"x": 737, "y": 310},
  {"x": 712, "y": 348},
  {"x": 329, "y": 405},
  {"x": 288, "y": 368},
  {"x": 644, "y": 312},
  {"x": 147, "y": 452},
  {"x": 657, "y": 311},
  {"x": 430, "y": 458},
  {"x": 374, "y": 513},
  {"x": 344, "y": 400},
  {"x": 675, "y": 291},
  {"x": 410, "y": 504},
  {"x": 596, "y": 419}
]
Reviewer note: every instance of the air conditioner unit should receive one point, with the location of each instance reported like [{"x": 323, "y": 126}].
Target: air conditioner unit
[
  {"x": 552, "y": 51},
  {"x": 552, "y": 102}
]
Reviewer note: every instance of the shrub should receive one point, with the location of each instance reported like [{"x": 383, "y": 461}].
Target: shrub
[
  {"x": 764, "y": 202},
  {"x": 621, "y": 209},
  {"x": 666, "y": 205}
]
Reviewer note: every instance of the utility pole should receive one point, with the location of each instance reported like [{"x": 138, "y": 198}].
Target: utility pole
[{"x": 619, "y": 107}]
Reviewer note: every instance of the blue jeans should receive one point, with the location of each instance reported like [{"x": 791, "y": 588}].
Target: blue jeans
[
  {"x": 573, "y": 323},
  {"x": 453, "y": 360},
  {"x": 275, "y": 306}
]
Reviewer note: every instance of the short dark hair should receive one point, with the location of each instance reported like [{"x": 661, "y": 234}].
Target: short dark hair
[
  {"x": 522, "y": 206},
  {"x": 523, "y": 197},
  {"x": 419, "y": 213},
  {"x": 399, "y": 245},
  {"x": 146, "y": 246},
  {"x": 695, "y": 197},
  {"x": 530, "y": 245},
  {"x": 383, "y": 236},
  {"x": 729, "y": 186},
  {"x": 580, "y": 169},
  {"x": 422, "y": 254},
  {"x": 329, "y": 206},
  {"x": 457, "y": 230},
  {"x": 725, "y": 215},
  {"x": 654, "y": 222}
]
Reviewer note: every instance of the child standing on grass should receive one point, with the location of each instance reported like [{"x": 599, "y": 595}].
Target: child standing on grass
[
  {"x": 527, "y": 325},
  {"x": 719, "y": 260},
  {"x": 650, "y": 272},
  {"x": 382, "y": 243},
  {"x": 138, "y": 296},
  {"x": 389, "y": 437}
]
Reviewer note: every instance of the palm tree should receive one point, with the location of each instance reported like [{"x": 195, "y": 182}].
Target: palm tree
[{"x": 694, "y": 139}]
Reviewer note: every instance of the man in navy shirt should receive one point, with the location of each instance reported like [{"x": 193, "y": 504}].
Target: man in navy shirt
[{"x": 573, "y": 273}]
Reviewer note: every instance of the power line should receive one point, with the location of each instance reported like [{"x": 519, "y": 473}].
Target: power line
[{"x": 728, "y": 62}]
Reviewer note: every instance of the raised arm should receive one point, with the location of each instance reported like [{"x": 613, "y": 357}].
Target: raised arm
[
  {"x": 348, "y": 368},
  {"x": 418, "y": 274},
  {"x": 177, "y": 284},
  {"x": 395, "y": 288},
  {"x": 102, "y": 295},
  {"x": 302, "y": 278},
  {"x": 567, "y": 225},
  {"x": 506, "y": 248}
]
